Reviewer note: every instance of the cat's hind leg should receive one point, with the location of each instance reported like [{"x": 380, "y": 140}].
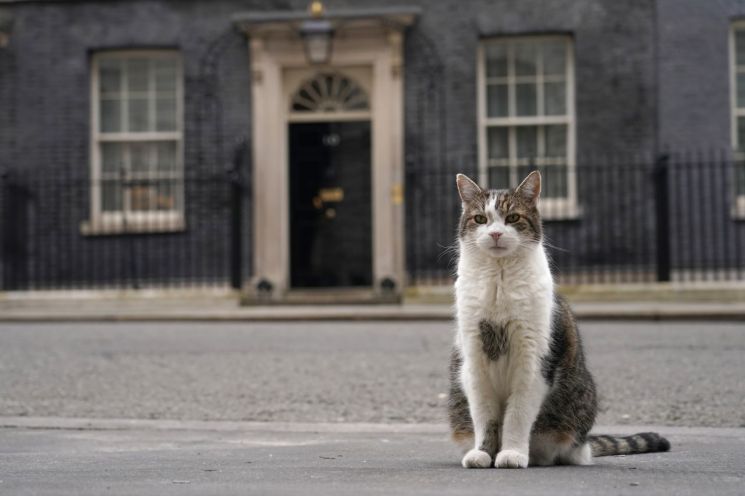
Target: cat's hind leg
[
  {"x": 464, "y": 440},
  {"x": 556, "y": 448},
  {"x": 577, "y": 455},
  {"x": 544, "y": 449}
]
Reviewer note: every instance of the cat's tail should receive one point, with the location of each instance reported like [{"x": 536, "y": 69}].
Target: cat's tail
[{"x": 644, "y": 442}]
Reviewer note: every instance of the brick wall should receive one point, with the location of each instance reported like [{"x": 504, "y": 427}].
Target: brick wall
[{"x": 46, "y": 77}]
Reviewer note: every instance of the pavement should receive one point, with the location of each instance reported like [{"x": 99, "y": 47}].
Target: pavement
[
  {"x": 196, "y": 307},
  {"x": 338, "y": 408},
  {"x": 89, "y": 457}
]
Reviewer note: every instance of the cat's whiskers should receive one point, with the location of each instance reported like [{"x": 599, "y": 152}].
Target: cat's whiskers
[{"x": 548, "y": 244}]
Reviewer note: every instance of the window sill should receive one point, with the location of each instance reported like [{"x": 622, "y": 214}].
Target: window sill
[{"x": 143, "y": 225}]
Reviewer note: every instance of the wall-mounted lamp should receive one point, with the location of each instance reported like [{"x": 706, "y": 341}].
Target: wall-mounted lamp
[
  {"x": 6, "y": 27},
  {"x": 317, "y": 35}
]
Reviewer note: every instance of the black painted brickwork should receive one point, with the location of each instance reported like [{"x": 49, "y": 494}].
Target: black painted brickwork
[{"x": 45, "y": 107}]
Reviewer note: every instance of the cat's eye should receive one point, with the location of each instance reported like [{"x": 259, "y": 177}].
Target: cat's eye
[
  {"x": 479, "y": 219},
  {"x": 512, "y": 218}
]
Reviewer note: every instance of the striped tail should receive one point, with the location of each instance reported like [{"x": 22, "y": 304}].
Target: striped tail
[{"x": 645, "y": 442}]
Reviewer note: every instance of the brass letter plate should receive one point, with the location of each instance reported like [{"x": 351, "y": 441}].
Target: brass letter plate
[{"x": 330, "y": 195}]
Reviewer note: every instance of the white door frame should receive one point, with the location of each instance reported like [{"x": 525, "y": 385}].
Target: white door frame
[{"x": 273, "y": 55}]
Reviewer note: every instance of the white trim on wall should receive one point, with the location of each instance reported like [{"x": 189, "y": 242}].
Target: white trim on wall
[
  {"x": 736, "y": 112},
  {"x": 551, "y": 208},
  {"x": 128, "y": 219},
  {"x": 373, "y": 58}
]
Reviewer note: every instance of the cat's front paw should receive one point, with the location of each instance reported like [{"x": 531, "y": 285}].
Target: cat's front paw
[
  {"x": 476, "y": 459},
  {"x": 511, "y": 459}
]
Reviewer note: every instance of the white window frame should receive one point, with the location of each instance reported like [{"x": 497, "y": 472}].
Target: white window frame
[
  {"x": 551, "y": 208},
  {"x": 126, "y": 220},
  {"x": 738, "y": 209}
]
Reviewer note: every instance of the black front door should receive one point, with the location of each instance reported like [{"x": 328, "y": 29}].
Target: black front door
[{"x": 330, "y": 205}]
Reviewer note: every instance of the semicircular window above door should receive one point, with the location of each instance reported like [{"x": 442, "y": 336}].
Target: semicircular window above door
[{"x": 330, "y": 92}]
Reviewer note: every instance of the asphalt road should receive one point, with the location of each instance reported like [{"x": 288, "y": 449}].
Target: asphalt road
[
  {"x": 324, "y": 460},
  {"x": 684, "y": 374}
]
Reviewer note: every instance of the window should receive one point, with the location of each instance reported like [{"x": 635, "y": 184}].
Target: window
[
  {"x": 737, "y": 63},
  {"x": 137, "y": 170},
  {"x": 526, "y": 117}
]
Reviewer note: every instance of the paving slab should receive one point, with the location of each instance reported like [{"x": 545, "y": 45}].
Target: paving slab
[{"x": 90, "y": 456}]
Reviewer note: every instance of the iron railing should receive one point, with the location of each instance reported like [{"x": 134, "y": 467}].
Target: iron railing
[
  {"x": 176, "y": 233},
  {"x": 674, "y": 218}
]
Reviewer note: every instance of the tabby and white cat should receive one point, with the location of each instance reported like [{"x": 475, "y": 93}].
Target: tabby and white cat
[{"x": 520, "y": 392}]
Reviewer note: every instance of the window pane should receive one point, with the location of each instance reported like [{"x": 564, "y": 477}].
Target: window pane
[
  {"x": 138, "y": 115},
  {"x": 166, "y": 157},
  {"x": 111, "y": 196},
  {"x": 526, "y": 57},
  {"x": 740, "y": 89},
  {"x": 526, "y": 99},
  {"x": 165, "y": 76},
  {"x": 496, "y": 100},
  {"x": 527, "y": 141},
  {"x": 496, "y": 60},
  {"x": 741, "y": 133},
  {"x": 112, "y": 158},
  {"x": 166, "y": 196},
  {"x": 740, "y": 178},
  {"x": 498, "y": 141},
  {"x": 110, "y": 116},
  {"x": 137, "y": 75},
  {"x": 554, "y": 58},
  {"x": 499, "y": 177},
  {"x": 554, "y": 181},
  {"x": 556, "y": 141},
  {"x": 740, "y": 46},
  {"x": 141, "y": 196},
  {"x": 140, "y": 157},
  {"x": 555, "y": 98},
  {"x": 110, "y": 76},
  {"x": 165, "y": 112}
]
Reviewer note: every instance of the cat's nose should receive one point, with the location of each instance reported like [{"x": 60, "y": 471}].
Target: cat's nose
[{"x": 495, "y": 235}]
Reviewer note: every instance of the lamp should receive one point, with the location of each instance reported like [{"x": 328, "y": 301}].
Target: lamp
[
  {"x": 317, "y": 35},
  {"x": 6, "y": 27}
]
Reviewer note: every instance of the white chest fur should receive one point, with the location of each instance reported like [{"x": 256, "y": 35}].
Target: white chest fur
[
  {"x": 514, "y": 295},
  {"x": 517, "y": 289}
]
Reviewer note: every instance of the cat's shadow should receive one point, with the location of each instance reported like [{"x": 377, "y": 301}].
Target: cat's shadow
[{"x": 456, "y": 465}]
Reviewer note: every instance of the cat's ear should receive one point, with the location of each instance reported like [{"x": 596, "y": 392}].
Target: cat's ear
[
  {"x": 467, "y": 189},
  {"x": 530, "y": 188}
]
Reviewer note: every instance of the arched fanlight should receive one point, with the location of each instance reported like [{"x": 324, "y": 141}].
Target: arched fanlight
[{"x": 330, "y": 92}]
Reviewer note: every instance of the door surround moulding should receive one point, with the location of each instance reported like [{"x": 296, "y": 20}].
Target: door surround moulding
[{"x": 276, "y": 50}]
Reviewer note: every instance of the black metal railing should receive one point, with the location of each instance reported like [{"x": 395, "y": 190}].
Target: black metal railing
[
  {"x": 675, "y": 217},
  {"x": 131, "y": 232}
]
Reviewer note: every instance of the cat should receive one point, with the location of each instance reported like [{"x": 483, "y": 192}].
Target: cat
[{"x": 520, "y": 390}]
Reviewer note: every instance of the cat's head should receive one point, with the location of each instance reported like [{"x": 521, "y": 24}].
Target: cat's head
[{"x": 500, "y": 222}]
